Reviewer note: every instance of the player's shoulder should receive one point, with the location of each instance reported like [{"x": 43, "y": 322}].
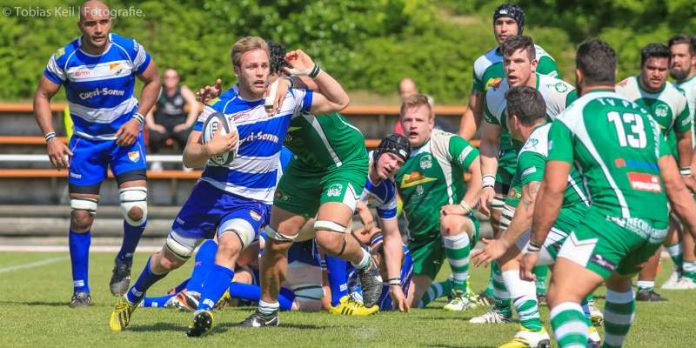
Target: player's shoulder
[
  {"x": 538, "y": 140},
  {"x": 541, "y": 52},
  {"x": 554, "y": 85},
  {"x": 495, "y": 96},
  {"x": 486, "y": 60},
  {"x": 129, "y": 45},
  {"x": 627, "y": 86},
  {"x": 674, "y": 94},
  {"x": 62, "y": 54}
]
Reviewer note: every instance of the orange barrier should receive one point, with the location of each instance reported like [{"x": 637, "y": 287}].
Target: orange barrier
[
  {"x": 53, "y": 173},
  {"x": 447, "y": 111}
]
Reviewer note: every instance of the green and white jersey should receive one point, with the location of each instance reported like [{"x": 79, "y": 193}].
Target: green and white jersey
[
  {"x": 433, "y": 176},
  {"x": 667, "y": 106},
  {"x": 488, "y": 68},
  {"x": 531, "y": 164},
  {"x": 616, "y": 145},
  {"x": 325, "y": 142},
  {"x": 556, "y": 93},
  {"x": 688, "y": 86}
]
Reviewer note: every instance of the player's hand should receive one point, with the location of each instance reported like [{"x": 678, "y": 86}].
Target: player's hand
[
  {"x": 453, "y": 209},
  {"x": 208, "y": 93},
  {"x": 301, "y": 64},
  {"x": 282, "y": 88},
  {"x": 221, "y": 143},
  {"x": 527, "y": 264},
  {"x": 57, "y": 151},
  {"x": 485, "y": 200},
  {"x": 180, "y": 127},
  {"x": 690, "y": 183},
  {"x": 157, "y": 128},
  {"x": 398, "y": 298},
  {"x": 493, "y": 250},
  {"x": 127, "y": 134}
]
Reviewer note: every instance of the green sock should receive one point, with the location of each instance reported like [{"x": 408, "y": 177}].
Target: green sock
[
  {"x": 502, "y": 296},
  {"x": 457, "y": 249},
  {"x": 541, "y": 273},
  {"x": 619, "y": 312},
  {"x": 569, "y": 325}
]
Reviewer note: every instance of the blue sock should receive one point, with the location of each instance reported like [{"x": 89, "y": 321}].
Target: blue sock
[
  {"x": 205, "y": 260},
  {"x": 144, "y": 282},
  {"x": 251, "y": 292},
  {"x": 181, "y": 286},
  {"x": 215, "y": 285},
  {"x": 131, "y": 237},
  {"x": 157, "y": 302},
  {"x": 338, "y": 278},
  {"x": 79, "y": 260}
]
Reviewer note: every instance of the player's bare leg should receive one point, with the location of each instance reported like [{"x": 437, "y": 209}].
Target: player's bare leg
[
  {"x": 646, "y": 280},
  {"x": 331, "y": 226},
  {"x": 570, "y": 284}
]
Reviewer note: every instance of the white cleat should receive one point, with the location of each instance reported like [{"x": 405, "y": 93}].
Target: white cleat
[
  {"x": 491, "y": 317},
  {"x": 460, "y": 302},
  {"x": 673, "y": 282}
]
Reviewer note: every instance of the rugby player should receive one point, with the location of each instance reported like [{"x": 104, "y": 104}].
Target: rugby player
[
  {"x": 668, "y": 107},
  {"x": 604, "y": 134},
  {"x": 520, "y": 67},
  {"x": 232, "y": 201},
  {"x": 98, "y": 70},
  {"x": 437, "y": 202},
  {"x": 681, "y": 245}
]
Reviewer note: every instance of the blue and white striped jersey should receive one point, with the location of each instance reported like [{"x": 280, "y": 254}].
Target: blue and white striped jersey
[
  {"x": 99, "y": 88},
  {"x": 254, "y": 173},
  {"x": 383, "y": 195}
]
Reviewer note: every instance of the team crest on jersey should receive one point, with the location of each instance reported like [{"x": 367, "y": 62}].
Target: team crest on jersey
[
  {"x": 60, "y": 52},
  {"x": 531, "y": 143},
  {"x": 334, "y": 190},
  {"x": 280, "y": 196},
  {"x": 661, "y": 110},
  {"x": 420, "y": 190},
  {"x": 254, "y": 215},
  {"x": 426, "y": 162},
  {"x": 413, "y": 179},
  {"x": 116, "y": 68},
  {"x": 493, "y": 83},
  {"x": 561, "y": 87},
  {"x": 134, "y": 156}
]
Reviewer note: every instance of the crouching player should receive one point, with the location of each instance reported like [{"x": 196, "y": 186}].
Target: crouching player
[
  {"x": 437, "y": 202},
  {"x": 528, "y": 123}
]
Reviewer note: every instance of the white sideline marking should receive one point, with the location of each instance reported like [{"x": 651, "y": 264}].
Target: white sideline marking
[
  {"x": 64, "y": 248},
  {"x": 33, "y": 264}
]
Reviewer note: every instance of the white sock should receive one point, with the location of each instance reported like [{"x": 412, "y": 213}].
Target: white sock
[
  {"x": 268, "y": 308},
  {"x": 364, "y": 262}
]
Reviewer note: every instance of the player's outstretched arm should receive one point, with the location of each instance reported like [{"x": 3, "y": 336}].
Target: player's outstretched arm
[
  {"x": 42, "y": 112},
  {"x": 393, "y": 254},
  {"x": 679, "y": 196},
  {"x": 331, "y": 97},
  {"x": 490, "y": 143}
]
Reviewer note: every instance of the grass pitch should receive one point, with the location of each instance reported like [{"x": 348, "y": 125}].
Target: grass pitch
[{"x": 36, "y": 287}]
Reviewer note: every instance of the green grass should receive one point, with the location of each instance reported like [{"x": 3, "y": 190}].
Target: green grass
[{"x": 34, "y": 313}]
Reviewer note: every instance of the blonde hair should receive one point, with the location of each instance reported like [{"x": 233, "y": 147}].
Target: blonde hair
[
  {"x": 416, "y": 100},
  {"x": 246, "y": 44}
]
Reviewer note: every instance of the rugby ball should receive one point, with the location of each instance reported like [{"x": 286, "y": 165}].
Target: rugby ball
[{"x": 218, "y": 122}]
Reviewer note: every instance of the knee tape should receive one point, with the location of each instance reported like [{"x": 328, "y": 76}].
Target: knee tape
[
  {"x": 241, "y": 227},
  {"x": 179, "y": 246},
  {"x": 330, "y": 226},
  {"x": 277, "y": 236},
  {"x": 132, "y": 197},
  {"x": 88, "y": 204}
]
